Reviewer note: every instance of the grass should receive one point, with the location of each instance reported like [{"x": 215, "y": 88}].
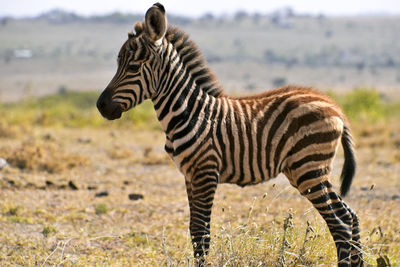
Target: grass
[
  {"x": 43, "y": 156},
  {"x": 367, "y": 105},
  {"x": 77, "y": 109},
  {"x": 49, "y": 230},
  {"x": 68, "y": 109},
  {"x": 101, "y": 209}
]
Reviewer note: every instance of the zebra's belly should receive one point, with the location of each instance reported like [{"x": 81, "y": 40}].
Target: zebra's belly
[{"x": 245, "y": 176}]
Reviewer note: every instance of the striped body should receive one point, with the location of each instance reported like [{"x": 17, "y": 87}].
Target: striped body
[
  {"x": 254, "y": 139},
  {"x": 214, "y": 138}
]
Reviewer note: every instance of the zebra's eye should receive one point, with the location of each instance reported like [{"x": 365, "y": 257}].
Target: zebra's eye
[{"x": 134, "y": 67}]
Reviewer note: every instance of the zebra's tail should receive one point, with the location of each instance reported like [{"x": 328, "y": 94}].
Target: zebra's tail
[{"x": 349, "y": 166}]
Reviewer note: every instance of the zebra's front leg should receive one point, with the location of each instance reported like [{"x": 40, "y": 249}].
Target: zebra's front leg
[{"x": 201, "y": 189}]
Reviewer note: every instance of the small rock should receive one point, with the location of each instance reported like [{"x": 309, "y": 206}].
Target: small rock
[
  {"x": 48, "y": 137},
  {"x": 395, "y": 197},
  {"x": 3, "y": 163},
  {"x": 10, "y": 182},
  {"x": 84, "y": 140},
  {"x": 92, "y": 187},
  {"x": 72, "y": 185},
  {"x": 384, "y": 164},
  {"x": 101, "y": 194},
  {"x": 49, "y": 183},
  {"x": 127, "y": 182},
  {"x": 135, "y": 196}
]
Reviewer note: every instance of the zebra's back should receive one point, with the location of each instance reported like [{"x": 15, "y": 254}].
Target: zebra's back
[{"x": 257, "y": 137}]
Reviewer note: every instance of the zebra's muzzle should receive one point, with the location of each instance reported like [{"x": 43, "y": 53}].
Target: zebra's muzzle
[{"x": 109, "y": 109}]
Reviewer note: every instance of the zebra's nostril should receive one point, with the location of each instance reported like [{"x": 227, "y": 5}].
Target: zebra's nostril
[{"x": 101, "y": 105}]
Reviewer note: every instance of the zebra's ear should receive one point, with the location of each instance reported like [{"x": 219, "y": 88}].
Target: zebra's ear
[{"x": 156, "y": 23}]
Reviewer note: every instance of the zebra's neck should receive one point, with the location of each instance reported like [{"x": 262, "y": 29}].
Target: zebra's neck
[
  {"x": 181, "y": 102},
  {"x": 185, "y": 83}
]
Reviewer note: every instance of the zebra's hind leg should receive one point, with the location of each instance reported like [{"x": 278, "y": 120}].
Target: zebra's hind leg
[
  {"x": 356, "y": 253},
  {"x": 336, "y": 214}
]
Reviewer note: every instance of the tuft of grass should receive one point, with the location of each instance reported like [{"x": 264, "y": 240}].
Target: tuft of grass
[
  {"x": 101, "y": 208},
  {"x": 31, "y": 155},
  {"x": 281, "y": 244},
  {"x": 8, "y": 130},
  {"x": 12, "y": 211},
  {"x": 49, "y": 230}
]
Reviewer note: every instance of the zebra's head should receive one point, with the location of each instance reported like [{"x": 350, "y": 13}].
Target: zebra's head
[{"x": 136, "y": 79}]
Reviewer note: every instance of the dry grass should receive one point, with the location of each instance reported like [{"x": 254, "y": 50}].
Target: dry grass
[
  {"x": 41, "y": 156},
  {"x": 44, "y": 220}
]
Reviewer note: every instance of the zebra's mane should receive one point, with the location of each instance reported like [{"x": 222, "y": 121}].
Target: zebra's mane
[{"x": 194, "y": 61}]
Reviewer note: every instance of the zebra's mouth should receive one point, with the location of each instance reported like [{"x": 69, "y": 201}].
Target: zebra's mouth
[
  {"x": 112, "y": 111},
  {"x": 109, "y": 109},
  {"x": 115, "y": 114}
]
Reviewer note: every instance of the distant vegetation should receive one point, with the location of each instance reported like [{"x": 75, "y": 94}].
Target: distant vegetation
[
  {"x": 59, "y": 16},
  {"x": 335, "y": 50},
  {"x": 71, "y": 109},
  {"x": 367, "y": 105},
  {"x": 78, "y": 109},
  {"x": 250, "y": 52}
]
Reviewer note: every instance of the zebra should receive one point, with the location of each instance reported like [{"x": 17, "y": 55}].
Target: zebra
[{"x": 214, "y": 138}]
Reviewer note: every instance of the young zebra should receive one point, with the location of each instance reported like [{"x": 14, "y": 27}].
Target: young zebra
[{"x": 214, "y": 138}]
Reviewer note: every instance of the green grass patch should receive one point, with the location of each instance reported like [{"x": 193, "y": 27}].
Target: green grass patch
[
  {"x": 49, "y": 230},
  {"x": 78, "y": 109},
  {"x": 101, "y": 208},
  {"x": 366, "y": 105},
  {"x": 71, "y": 109}
]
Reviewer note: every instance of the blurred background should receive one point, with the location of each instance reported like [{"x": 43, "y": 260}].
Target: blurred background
[{"x": 48, "y": 46}]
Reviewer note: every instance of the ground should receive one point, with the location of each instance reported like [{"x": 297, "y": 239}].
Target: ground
[{"x": 111, "y": 196}]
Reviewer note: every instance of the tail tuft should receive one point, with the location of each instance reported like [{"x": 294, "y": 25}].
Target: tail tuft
[{"x": 349, "y": 166}]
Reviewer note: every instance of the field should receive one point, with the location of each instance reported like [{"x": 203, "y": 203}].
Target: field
[{"x": 81, "y": 191}]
